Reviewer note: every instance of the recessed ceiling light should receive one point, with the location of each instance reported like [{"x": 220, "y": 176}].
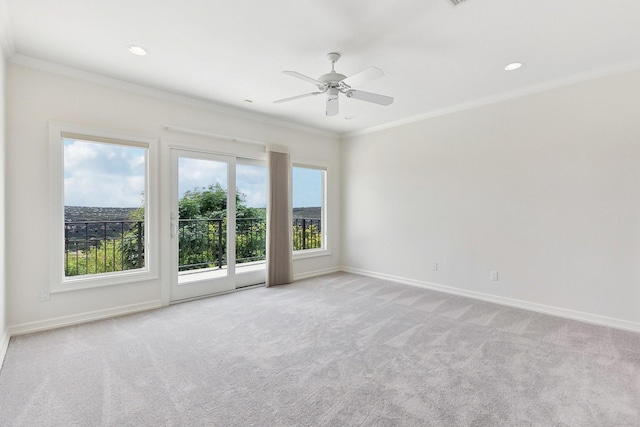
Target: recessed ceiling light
[
  {"x": 348, "y": 117},
  {"x": 513, "y": 66},
  {"x": 137, "y": 50}
]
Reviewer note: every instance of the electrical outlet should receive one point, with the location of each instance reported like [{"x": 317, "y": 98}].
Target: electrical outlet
[
  {"x": 44, "y": 295},
  {"x": 494, "y": 276},
  {"x": 435, "y": 266}
]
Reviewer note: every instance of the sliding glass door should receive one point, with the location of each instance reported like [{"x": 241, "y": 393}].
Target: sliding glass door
[
  {"x": 251, "y": 222},
  {"x": 218, "y": 229}
]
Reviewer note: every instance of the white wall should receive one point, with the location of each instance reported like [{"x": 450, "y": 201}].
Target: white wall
[
  {"x": 35, "y": 97},
  {"x": 3, "y": 304},
  {"x": 544, "y": 189}
]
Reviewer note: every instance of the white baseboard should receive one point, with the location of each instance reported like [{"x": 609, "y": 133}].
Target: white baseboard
[
  {"x": 58, "y": 322},
  {"x": 315, "y": 273},
  {"x": 74, "y": 319},
  {"x": 525, "y": 305},
  {"x": 4, "y": 345}
]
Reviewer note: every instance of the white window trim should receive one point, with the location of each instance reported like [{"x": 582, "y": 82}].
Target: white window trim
[
  {"x": 58, "y": 282},
  {"x": 310, "y": 253},
  {"x": 325, "y": 250}
]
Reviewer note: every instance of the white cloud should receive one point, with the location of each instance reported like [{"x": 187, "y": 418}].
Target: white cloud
[
  {"x": 252, "y": 182},
  {"x": 198, "y": 173},
  {"x": 103, "y": 175}
]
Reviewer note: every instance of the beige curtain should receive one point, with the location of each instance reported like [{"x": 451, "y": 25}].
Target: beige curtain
[{"x": 279, "y": 220}]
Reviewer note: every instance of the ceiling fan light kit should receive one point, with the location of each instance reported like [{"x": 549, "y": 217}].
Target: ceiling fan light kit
[{"x": 333, "y": 83}]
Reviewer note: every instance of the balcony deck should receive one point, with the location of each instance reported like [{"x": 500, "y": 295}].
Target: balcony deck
[{"x": 193, "y": 276}]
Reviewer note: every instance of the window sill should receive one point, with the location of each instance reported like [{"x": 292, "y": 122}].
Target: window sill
[
  {"x": 100, "y": 280},
  {"x": 310, "y": 253}
]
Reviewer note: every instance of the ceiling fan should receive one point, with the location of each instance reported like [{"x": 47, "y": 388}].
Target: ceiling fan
[{"x": 333, "y": 83}]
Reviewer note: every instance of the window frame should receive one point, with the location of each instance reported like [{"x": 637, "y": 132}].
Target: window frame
[
  {"x": 58, "y": 281},
  {"x": 325, "y": 249}
]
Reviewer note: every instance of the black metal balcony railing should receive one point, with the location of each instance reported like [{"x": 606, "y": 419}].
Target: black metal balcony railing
[
  {"x": 251, "y": 240},
  {"x": 201, "y": 243},
  {"x": 307, "y": 233},
  {"x": 93, "y": 247}
]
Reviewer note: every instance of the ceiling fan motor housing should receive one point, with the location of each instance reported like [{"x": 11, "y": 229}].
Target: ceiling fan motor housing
[{"x": 331, "y": 79}]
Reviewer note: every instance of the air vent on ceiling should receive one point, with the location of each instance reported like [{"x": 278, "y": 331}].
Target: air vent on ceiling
[{"x": 456, "y": 2}]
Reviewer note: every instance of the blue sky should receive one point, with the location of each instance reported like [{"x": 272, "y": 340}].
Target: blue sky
[
  {"x": 111, "y": 175},
  {"x": 307, "y": 187}
]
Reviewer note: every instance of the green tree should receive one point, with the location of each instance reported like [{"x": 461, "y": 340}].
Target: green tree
[
  {"x": 312, "y": 237},
  {"x": 204, "y": 237},
  {"x": 211, "y": 202}
]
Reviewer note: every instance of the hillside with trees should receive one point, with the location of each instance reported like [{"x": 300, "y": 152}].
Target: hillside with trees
[{"x": 117, "y": 245}]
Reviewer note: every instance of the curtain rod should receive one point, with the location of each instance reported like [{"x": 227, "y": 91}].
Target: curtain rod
[{"x": 210, "y": 134}]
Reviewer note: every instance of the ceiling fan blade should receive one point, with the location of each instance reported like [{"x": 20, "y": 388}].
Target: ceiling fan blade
[
  {"x": 369, "y": 97},
  {"x": 332, "y": 105},
  {"x": 365, "y": 75},
  {"x": 296, "y": 97},
  {"x": 305, "y": 78}
]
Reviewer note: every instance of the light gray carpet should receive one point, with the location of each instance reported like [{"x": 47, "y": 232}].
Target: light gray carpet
[{"x": 339, "y": 350}]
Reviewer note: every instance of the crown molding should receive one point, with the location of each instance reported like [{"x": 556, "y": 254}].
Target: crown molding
[
  {"x": 65, "y": 71},
  {"x": 543, "y": 87},
  {"x": 31, "y": 62}
]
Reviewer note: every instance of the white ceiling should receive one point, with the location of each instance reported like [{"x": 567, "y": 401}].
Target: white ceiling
[{"x": 436, "y": 56}]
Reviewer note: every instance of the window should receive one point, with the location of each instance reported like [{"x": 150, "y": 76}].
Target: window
[
  {"x": 100, "y": 209},
  {"x": 309, "y": 226}
]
